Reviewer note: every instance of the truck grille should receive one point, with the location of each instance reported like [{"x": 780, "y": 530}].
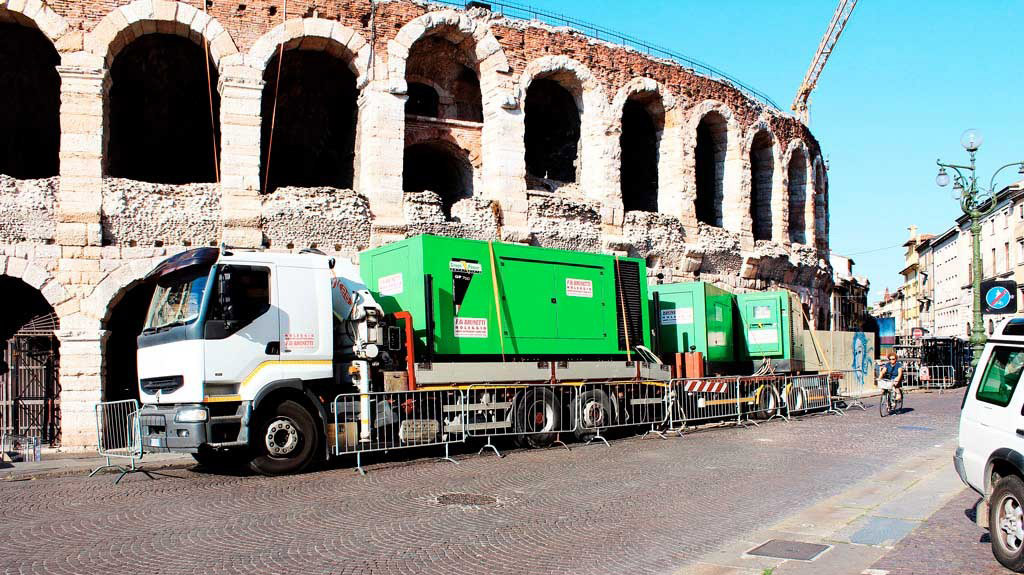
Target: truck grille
[{"x": 168, "y": 384}]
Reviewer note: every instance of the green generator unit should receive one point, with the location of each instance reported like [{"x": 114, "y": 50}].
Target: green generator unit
[
  {"x": 694, "y": 314},
  {"x": 770, "y": 326},
  {"x": 553, "y": 304}
]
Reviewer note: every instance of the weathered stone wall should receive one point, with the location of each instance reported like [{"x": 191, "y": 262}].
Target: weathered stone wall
[
  {"x": 146, "y": 214},
  {"x": 85, "y": 239},
  {"x": 27, "y": 210}
]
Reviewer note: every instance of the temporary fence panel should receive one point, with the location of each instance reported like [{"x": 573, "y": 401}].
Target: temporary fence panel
[
  {"x": 705, "y": 400},
  {"x": 622, "y": 404},
  {"x": 808, "y": 393},
  {"x": 20, "y": 448},
  {"x": 540, "y": 413},
  {"x": 119, "y": 435},
  {"x": 387, "y": 420},
  {"x": 849, "y": 387},
  {"x": 759, "y": 397},
  {"x": 937, "y": 376}
]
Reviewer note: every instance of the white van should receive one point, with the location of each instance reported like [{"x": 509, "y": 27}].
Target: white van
[{"x": 990, "y": 452}]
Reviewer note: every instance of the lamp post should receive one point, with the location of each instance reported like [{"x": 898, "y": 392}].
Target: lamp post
[{"x": 976, "y": 202}]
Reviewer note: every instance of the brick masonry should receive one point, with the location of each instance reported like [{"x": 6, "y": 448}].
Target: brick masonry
[{"x": 83, "y": 238}]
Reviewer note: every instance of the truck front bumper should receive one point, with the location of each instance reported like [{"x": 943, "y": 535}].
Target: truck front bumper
[{"x": 162, "y": 433}]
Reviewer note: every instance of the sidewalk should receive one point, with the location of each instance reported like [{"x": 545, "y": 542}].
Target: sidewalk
[
  {"x": 858, "y": 526},
  {"x": 58, "y": 465}
]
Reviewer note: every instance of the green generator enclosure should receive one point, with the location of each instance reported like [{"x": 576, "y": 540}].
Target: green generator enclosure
[
  {"x": 695, "y": 314},
  {"x": 474, "y": 300},
  {"x": 767, "y": 327}
]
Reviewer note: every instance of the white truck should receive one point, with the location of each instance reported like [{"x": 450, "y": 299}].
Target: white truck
[{"x": 239, "y": 355}]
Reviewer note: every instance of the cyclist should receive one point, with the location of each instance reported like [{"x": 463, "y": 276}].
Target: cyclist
[{"x": 892, "y": 370}]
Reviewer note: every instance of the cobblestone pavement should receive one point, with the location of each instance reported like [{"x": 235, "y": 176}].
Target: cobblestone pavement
[
  {"x": 948, "y": 543},
  {"x": 639, "y": 506}
]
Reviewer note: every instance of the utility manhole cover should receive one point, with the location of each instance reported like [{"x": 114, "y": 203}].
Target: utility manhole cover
[
  {"x": 468, "y": 499},
  {"x": 782, "y": 549},
  {"x": 914, "y": 428}
]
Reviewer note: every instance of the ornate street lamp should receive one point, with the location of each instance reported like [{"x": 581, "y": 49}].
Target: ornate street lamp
[{"x": 976, "y": 203}]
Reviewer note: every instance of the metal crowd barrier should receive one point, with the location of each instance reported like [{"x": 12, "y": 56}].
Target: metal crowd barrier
[
  {"x": 119, "y": 435},
  {"x": 389, "y": 420},
  {"x": 849, "y": 387},
  {"x": 610, "y": 405},
  {"x": 703, "y": 400},
  {"x": 941, "y": 377},
  {"x": 760, "y": 399},
  {"x": 809, "y": 393},
  {"x": 527, "y": 411}
]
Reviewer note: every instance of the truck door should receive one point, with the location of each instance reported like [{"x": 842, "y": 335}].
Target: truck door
[
  {"x": 242, "y": 335},
  {"x": 762, "y": 323},
  {"x": 579, "y": 302}
]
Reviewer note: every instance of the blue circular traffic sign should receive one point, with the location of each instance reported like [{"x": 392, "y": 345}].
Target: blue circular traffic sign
[{"x": 998, "y": 297}]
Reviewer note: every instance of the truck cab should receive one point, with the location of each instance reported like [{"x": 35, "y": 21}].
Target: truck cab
[{"x": 242, "y": 349}]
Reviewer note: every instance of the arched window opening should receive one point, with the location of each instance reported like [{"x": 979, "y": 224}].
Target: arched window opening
[
  {"x": 29, "y": 103},
  {"x": 709, "y": 155},
  {"x": 440, "y": 168},
  {"x": 639, "y": 141},
  {"x": 797, "y": 171},
  {"x": 451, "y": 68},
  {"x": 423, "y": 101},
  {"x": 762, "y": 164},
  {"x": 160, "y": 125},
  {"x": 552, "y": 131},
  {"x": 127, "y": 317},
  {"x": 30, "y": 305},
  {"x": 313, "y": 143}
]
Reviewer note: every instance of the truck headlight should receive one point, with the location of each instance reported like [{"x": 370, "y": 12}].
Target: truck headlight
[{"x": 191, "y": 415}]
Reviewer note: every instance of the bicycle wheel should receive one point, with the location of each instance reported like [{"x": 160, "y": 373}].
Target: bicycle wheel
[{"x": 883, "y": 403}]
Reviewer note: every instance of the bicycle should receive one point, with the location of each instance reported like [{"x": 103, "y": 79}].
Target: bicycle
[{"x": 891, "y": 400}]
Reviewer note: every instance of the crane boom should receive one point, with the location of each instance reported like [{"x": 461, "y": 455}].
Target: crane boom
[{"x": 835, "y": 28}]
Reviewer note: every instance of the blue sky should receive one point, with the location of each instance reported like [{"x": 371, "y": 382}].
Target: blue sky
[{"x": 905, "y": 81}]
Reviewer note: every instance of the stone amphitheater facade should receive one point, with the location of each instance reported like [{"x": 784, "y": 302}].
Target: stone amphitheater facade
[{"x": 345, "y": 125}]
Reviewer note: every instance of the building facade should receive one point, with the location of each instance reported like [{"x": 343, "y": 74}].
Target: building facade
[
  {"x": 849, "y": 296},
  {"x": 141, "y": 128}
]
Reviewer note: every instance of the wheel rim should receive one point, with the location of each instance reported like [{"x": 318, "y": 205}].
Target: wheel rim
[
  {"x": 1010, "y": 522},
  {"x": 593, "y": 414},
  {"x": 543, "y": 417},
  {"x": 282, "y": 437}
]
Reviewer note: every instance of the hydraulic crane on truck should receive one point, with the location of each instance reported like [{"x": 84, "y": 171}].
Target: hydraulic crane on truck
[{"x": 801, "y": 103}]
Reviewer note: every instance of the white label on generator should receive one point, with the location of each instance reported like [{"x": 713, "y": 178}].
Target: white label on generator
[
  {"x": 579, "y": 288},
  {"x": 762, "y": 312},
  {"x": 678, "y": 316},
  {"x": 763, "y": 336},
  {"x": 718, "y": 312},
  {"x": 716, "y": 338},
  {"x": 390, "y": 285},
  {"x": 471, "y": 327}
]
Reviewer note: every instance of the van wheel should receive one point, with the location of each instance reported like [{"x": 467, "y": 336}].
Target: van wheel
[
  {"x": 1006, "y": 522},
  {"x": 284, "y": 440},
  {"x": 537, "y": 417}
]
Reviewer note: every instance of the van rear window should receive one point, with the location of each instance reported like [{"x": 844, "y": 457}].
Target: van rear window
[{"x": 1001, "y": 376}]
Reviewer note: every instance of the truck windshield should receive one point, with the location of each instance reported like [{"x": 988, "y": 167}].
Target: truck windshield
[{"x": 176, "y": 300}]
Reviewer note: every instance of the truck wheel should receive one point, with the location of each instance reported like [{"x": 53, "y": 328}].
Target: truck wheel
[
  {"x": 766, "y": 402},
  {"x": 538, "y": 417},
  {"x": 1006, "y": 522},
  {"x": 214, "y": 459},
  {"x": 796, "y": 400},
  {"x": 590, "y": 410},
  {"x": 284, "y": 440}
]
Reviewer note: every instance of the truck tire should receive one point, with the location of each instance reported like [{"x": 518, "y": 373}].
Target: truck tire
[
  {"x": 590, "y": 410},
  {"x": 766, "y": 402},
  {"x": 796, "y": 400},
  {"x": 1006, "y": 523},
  {"x": 284, "y": 440},
  {"x": 538, "y": 417}
]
